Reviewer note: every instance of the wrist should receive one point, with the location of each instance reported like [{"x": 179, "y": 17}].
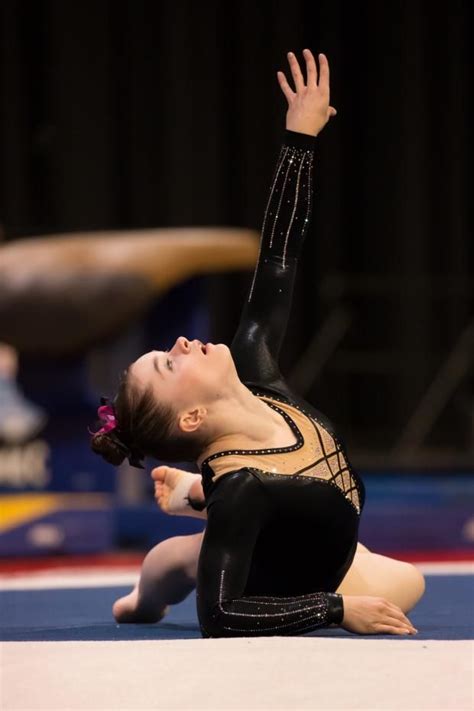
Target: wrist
[
  {"x": 336, "y": 608},
  {"x": 300, "y": 140},
  {"x": 304, "y": 130}
]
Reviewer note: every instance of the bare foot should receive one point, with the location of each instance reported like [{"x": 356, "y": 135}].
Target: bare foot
[
  {"x": 127, "y": 610},
  {"x": 173, "y": 487}
]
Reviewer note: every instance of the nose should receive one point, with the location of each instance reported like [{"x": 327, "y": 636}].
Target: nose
[{"x": 183, "y": 344}]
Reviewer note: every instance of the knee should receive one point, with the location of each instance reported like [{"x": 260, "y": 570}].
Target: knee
[
  {"x": 420, "y": 583},
  {"x": 176, "y": 558},
  {"x": 187, "y": 574},
  {"x": 187, "y": 561},
  {"x": 415, "y": 583}
]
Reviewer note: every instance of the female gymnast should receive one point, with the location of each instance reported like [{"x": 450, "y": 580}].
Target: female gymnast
[{"x": 282, "y": 500}]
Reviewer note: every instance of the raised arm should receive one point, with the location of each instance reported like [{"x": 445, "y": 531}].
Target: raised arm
[{"x": 258, "y": 340}]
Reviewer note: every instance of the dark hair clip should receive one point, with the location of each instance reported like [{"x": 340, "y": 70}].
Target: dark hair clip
[{"x": 135, "y": 458}]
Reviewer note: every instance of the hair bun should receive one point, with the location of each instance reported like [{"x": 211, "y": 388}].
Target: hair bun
[{"x": 107, "y": 446}]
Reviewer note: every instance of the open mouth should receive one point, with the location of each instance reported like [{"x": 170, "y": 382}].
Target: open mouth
[{"x": 203, "y": 348}]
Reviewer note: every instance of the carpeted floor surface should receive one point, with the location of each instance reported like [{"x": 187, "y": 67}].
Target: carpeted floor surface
[{"x": 445, "y": 613}]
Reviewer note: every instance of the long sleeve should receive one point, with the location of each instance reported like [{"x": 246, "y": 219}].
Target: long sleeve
[
  {"x": 237, "y": 514},
  {"x": 258, "y": 340}
]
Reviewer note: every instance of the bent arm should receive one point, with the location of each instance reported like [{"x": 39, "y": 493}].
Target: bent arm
[
  {"x": 238, "y": 509},
  {"x": 236, "y": 514}
]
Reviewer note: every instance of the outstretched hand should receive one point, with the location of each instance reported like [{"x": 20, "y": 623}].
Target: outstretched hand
[{"x": 308, "y": 105}]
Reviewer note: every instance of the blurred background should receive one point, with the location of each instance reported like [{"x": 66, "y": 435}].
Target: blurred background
[{"x": 137, "y": 141}]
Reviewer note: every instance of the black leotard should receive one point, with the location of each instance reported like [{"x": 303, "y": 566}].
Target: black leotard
[{"x": 282, "y": 523}]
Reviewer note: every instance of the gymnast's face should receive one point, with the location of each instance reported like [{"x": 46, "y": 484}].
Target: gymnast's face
[{"x": 188, "y": 375}]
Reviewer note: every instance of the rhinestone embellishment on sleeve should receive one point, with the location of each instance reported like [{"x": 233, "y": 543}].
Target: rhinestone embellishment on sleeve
[
  {"x": 275, "y": 615},
  {"x": 289, "y": 206}
]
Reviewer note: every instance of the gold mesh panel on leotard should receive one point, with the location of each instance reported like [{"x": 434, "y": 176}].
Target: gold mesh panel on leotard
[{"x": 316, "y": 453}]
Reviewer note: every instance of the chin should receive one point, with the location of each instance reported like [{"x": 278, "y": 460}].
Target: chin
[
  {"x": 223, "y": 356},
  {"x": 232, "y": 370},
  {"x": 217, "y": 348}
]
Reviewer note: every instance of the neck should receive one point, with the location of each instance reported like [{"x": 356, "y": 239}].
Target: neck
[{"x": 241, "y": 414}]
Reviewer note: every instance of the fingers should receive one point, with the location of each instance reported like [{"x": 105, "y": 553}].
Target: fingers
[
  {"x": 296, "y": 71},
  {"x": 392, "y": 629},
  {"x": 396, "y": 612},
  {"x": 323, "y": 73},
  {"x": 311, "y": 75},
  {"x": 285, "y": 87},
  {"x": 396, "y": 617},
  {"x": 401, "y": 624},
  {"x": 311, "y": 68}
]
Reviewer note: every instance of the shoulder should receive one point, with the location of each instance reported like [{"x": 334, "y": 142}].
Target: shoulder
[{"x": 231, "y": 488}]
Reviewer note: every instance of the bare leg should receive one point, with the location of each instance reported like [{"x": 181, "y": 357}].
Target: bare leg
[
  {"x": 167, "y": 576},
  {"x": 169, "y": 570},
  {"x": 377, "y": 575}
]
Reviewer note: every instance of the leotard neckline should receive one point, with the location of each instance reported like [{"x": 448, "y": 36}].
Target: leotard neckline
[{"x": 268, "y": 450}]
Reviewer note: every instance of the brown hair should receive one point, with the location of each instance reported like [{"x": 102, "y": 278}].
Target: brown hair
[{"x": 145, "y": 427}]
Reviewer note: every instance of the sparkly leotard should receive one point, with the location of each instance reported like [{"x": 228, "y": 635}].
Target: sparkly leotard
[{"x": 282, "y": 522}]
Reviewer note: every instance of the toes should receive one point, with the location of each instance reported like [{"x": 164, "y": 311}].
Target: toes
[{"x": 159, "y": 473}]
